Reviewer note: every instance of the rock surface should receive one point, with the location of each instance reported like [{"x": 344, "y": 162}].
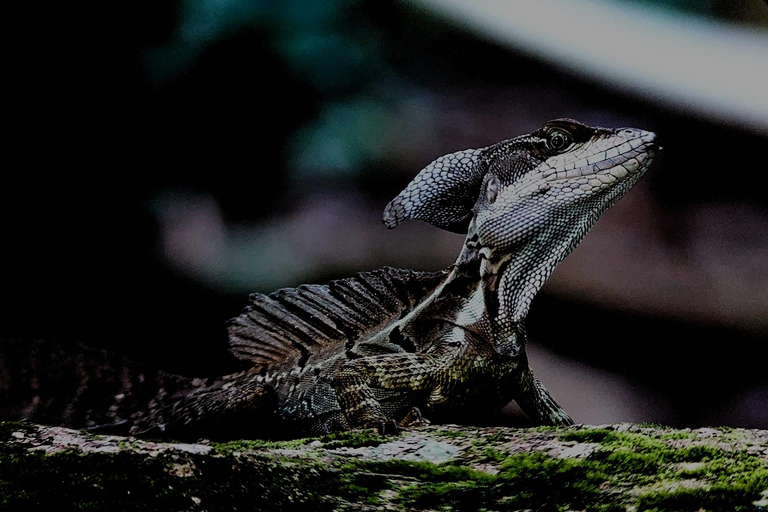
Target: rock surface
[{"x": 621, "y": 467}]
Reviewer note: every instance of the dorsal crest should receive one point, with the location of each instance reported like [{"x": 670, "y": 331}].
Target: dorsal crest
[{"x": 294, "y": 326}]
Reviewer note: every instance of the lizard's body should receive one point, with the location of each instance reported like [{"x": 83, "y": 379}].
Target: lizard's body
[{"x": 363, "y": 351}]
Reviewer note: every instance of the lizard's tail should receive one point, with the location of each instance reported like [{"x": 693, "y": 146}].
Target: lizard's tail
[
  {"x": 81, "y": 387},
  {"x": 235, "y": 405}
]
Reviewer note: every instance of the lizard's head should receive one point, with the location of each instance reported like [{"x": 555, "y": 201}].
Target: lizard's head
[{"x": 543, "y": 188}]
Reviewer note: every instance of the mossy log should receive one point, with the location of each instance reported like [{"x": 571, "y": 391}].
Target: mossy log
[{"x": 620, "y": 467}]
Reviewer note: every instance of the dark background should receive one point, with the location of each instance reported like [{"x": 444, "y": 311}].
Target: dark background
[{"x": 171, "y": 157}]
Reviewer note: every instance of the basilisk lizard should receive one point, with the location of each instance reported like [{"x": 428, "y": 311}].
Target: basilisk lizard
[{"x": 370, "y": 350}]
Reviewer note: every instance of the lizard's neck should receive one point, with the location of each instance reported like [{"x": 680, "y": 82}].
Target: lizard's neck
[{"x": 510, "y": 281}]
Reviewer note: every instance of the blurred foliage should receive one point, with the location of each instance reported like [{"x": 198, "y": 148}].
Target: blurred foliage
[
  {"x": 329, "y": 47},
  {"x": 335, "y": 69}
]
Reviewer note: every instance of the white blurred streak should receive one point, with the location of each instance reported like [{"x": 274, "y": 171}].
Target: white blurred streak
[{"x": 714, "y": 70}]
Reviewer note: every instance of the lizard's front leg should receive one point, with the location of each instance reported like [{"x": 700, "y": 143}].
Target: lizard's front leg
[
  {"x": 354, "y": 381},
  {"x": 538, "y": 403}
]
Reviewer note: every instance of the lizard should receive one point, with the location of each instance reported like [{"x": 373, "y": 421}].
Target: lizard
[{"x": 381, "y": 347}]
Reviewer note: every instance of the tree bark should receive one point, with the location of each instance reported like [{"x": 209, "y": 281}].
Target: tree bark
[{"x": 623, "y": 467}]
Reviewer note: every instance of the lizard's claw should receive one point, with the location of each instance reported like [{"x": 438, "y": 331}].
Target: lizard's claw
[
  {"x": 388, "y": 427},
  {"x": 413, "y": 419}
]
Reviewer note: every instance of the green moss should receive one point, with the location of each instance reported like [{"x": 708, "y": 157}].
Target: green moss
[
  {"x": 451, "y": 495},
  {"x": 250, "y": 480},
  {"x": 492, "y": 454},
  {"x": 438, "y": 483},
  {"x": 725, "y": 498},
  {"x": 739, "y": 469},
  {"x": 528, "y": 480},
  {"x": 732, "y": 480},
  {"x": 698, "y": 453},
  {"x": 495, "y": 438},
  {"x": 498, "y": 437},
  {"x": 595, "y": 435},
  {"x": 730, "y": 435},
  {"x": 250, "y": 445},
  {"x": 626, "y": 462},
  {"x": 651, "y": 425},
  {"x": 353, "y": 439},
  {"x": 677, "y": 435},
  {"x": 362, "y": 486}
]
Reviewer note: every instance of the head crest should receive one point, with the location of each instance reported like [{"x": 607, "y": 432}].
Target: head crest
[{"x": 443, "y": 193}]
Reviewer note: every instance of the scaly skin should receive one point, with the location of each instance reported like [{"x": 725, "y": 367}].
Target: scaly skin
[
  {"x": 364, "y": 351},
  {"x": 459, "y": 349},
  {"x": 536, "y": 197}
]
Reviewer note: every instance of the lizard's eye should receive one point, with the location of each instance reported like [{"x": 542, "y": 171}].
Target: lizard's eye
[{"x": 558, "y": 141}]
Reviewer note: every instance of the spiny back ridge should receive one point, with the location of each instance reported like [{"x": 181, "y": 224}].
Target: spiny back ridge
[{"x": 292, "y": 326}]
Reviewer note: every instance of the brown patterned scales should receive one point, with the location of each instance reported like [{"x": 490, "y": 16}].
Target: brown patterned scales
[{"x": 365, "y": 351}]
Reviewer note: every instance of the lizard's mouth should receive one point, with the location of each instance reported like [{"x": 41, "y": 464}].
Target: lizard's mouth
[{"x": 604, "y": 168}]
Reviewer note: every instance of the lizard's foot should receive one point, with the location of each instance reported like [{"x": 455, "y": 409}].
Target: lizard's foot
[
  {"x": 384, "y": 426},
  {"x": 391, "y": 427},
  {"x": 413, "y": 419}
]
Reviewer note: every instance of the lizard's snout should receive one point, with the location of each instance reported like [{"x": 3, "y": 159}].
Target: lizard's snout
[
  {"x": 636, "y": 133},
  {"x": 644, "y": 137}
]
